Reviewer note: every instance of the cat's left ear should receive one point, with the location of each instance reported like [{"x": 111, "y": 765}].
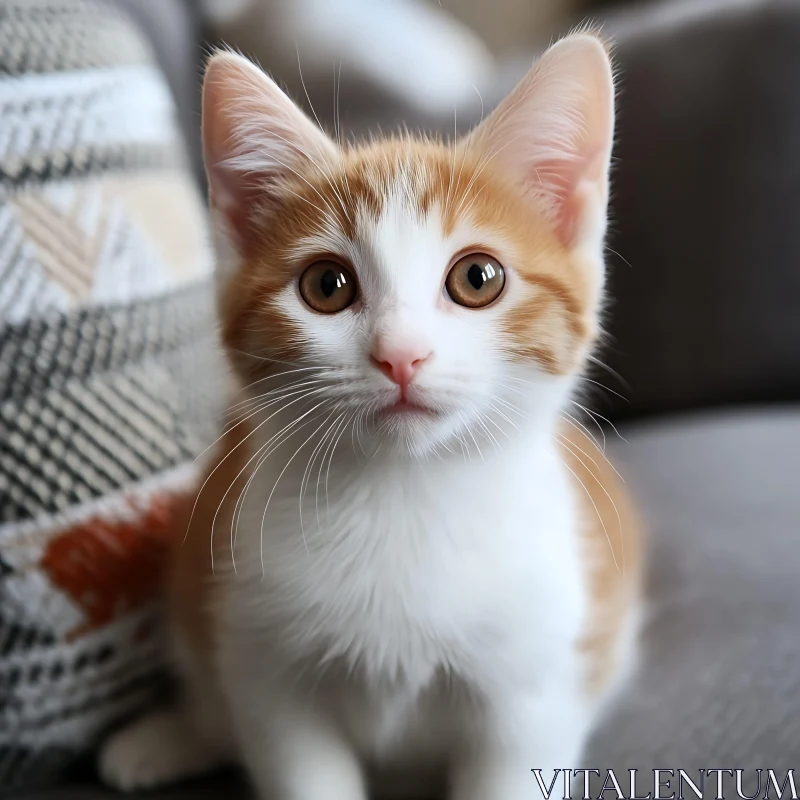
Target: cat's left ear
[{"x": 553, "y": 136}]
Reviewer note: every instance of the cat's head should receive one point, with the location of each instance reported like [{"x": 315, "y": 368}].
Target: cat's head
[{"x": 428, "y": 293}]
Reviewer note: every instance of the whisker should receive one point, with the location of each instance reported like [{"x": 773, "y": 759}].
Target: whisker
[
  {"x": 603, "y": 386},
  {"x": 292, "y": 386},
  {"x": 356, "y": 420},
  {"x": 596, "y": 510},
  {"x": 321, "y": 467},
  {"x": 484, "y": 161},
  {"x": 337, "y": 88},
  {"x": 277, "y": 440},
  {"x": 307, "y": 473},
  {"x": 328, "y": 472},
  {"x": 302, "y": 81},
  {"x": 500, "y": 413},
  {"x": 610, "y": 371},
  {"x": 488, "y": 433},
  {"x": 262, "y": 454},
  {"x": 510, "y": 406},
  {"x": 491, "y": 436},
  {"x": 594, "y": 414},
  {"x": 320, "y": 153},
  {"x": 513, "y": 388},
  {"x": 225, "y": 458},
  {"x": 239, "y": 474},
  {"x": 284, "y": 373},
  {"x": 263, "y": 407},
  {"x": 482, "y": 164},
  {"x": 229, "y": 428},
  {"x": 331, "y": 209},
  {"x": 613, "y": 504},
  {"x": 469, "y": 431},
  {"x": 584, "y": 431},
  {"x": 275, "y": 486},
  {"x": 618, "y": 255},
  {"x": 581, "y": 450},
  {"x": 272, "y": 360},
  {"x": 453, "y": 164},
  {"x": 576, "y": 423},
  {"x": 464, "y": 446}
]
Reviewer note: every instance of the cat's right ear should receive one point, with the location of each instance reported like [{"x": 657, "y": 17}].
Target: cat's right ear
[
  {"x": 254, "y": 139},
  {"x": 553, "y": 136}
]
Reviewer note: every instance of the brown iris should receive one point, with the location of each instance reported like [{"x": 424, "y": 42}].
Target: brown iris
[
  {"x": 475, "y": 280},
  {"x": 328, "y": 287}
]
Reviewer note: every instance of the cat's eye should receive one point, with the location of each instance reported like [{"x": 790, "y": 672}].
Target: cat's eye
[
  {"x": 475, "y": 280},
  {"x": 328, "y": 287}
]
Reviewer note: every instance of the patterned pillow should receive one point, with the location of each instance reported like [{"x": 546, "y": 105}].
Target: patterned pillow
[{"x": 104, "y": 318}]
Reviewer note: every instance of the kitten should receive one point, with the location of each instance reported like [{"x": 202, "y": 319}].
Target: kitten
[{"x": 407, "y": 569}]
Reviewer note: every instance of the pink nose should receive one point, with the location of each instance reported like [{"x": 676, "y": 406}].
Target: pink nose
[{"x": 399, "y": 364}]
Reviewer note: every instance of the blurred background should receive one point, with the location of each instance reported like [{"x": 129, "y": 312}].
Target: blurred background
[
  {"x": 107, "y": 336},
  {"x": 360, "y": 63}
]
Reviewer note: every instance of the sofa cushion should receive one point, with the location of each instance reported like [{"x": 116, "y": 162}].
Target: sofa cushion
[
  {"x": 719, "y": 683},
  {"x": 705, "y": 245}
]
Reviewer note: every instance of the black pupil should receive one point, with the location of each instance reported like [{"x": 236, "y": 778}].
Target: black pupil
[
  {"x": 476, "y": 276},
  {"x": 328, "y": 283}
]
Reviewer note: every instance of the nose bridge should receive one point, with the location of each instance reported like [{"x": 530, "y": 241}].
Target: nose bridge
[{"x": 399, "y": 331}]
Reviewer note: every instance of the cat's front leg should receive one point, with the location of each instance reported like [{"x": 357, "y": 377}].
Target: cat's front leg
[
  {"x": 508, "y": 742},
  {"x": 294, "y": 753}
]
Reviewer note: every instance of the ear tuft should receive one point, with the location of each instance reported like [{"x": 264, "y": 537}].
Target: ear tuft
[
  {"x": 254, "y": 139},
  {"x": 554, "y": 133}
]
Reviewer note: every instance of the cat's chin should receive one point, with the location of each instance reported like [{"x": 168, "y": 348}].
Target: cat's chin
[{"x": 411, "y": 429}]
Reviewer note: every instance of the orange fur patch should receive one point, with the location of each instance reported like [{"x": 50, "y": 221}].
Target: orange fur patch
[
  {"x": 192, "y": 577},
  {"x": 612, "y": 553}
]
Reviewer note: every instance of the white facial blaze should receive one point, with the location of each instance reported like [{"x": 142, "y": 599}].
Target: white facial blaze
[{"x": 400, "y": 260}]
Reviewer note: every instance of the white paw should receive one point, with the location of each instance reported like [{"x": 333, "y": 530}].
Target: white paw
[{"x": 159, "y": 749}]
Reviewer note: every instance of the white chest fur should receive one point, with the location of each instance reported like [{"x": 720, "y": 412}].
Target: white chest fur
[{"x": 468, "y": 567}]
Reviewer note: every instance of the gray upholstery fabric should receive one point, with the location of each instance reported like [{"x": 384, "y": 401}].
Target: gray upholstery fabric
[
  {"x": 719, "y": 681},
  {"x": 706, "y": 285}
]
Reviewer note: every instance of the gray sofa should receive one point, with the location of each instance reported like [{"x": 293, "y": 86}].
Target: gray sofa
[{"x": 704, "y": 342}]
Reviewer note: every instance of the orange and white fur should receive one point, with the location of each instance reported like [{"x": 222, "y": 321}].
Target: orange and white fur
[{"x": 408, "y": 568}]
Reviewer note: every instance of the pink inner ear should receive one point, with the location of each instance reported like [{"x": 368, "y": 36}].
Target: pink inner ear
[
  {"x": 555, "y": 182},
  {"x": 227, "y": 193},
  {"x": 553, "y": 135},
  {"x": 566, "y": 185},
  {"x": 235, "y": 196},
  {"x": 230, "y": 93}
]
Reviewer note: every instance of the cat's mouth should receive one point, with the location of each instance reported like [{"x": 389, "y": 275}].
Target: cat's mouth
[{"x": 406, "y": 408}]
